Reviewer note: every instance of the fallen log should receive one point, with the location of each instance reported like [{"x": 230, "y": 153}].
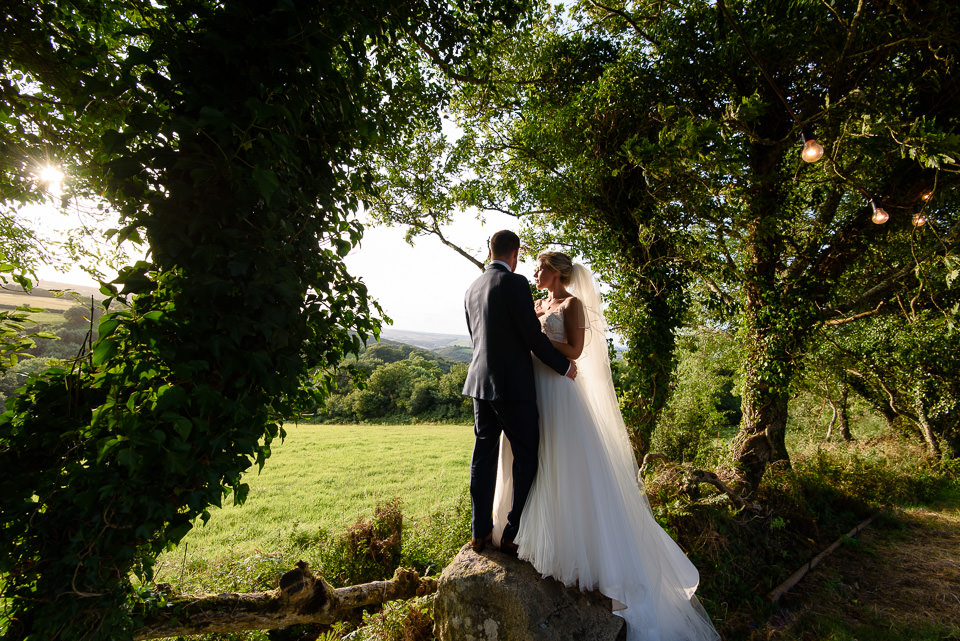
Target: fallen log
[{"x": 303, "y": 597}]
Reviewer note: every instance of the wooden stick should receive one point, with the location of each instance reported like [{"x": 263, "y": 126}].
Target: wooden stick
[{"x": 779, "y": 591}]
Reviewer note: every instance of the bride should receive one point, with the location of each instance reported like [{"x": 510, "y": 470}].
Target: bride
[{"x": 587, "y": 521}]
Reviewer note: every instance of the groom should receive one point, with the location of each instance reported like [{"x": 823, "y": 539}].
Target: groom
[{"x": 504, "y": 330}]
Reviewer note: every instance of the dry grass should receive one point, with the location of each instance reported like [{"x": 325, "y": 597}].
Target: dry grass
[
  {"x": 41, "y": 302},
  {"x": 912, "y": 576},
  {"x": 900, "y": 579}
]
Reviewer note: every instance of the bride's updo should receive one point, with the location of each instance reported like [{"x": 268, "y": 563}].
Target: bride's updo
[{"x": 558, "y": 262}]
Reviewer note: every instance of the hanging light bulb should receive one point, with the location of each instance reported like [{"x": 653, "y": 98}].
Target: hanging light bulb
[
  {"x": 919, "y": 220},
  {"x": 926, "y": 194},
  {"x": 880, "y": 214},
  {"x": 812, "y": 150}
]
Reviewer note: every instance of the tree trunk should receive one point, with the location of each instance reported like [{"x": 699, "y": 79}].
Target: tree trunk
[
  {"x": 762, "y": 435},
  {"x": 926, "y": 429},
  {"x": 881, "y": 405},
  {"x": 845, "y": 414},
  {"x": 772, "y": 316},
  {"x": 762, "y": 438},
  {"x": 303, "y": 597},
  {"x": 888, "y": 419},
  {"x": 649, "y": 316},
  {"x": 833, "y": 420}
]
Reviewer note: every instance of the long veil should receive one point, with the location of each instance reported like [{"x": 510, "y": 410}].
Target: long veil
[{"x": 593, "y": 369}]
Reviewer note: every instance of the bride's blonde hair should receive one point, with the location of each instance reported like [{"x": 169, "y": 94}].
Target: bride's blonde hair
[{"x": 558, "y": 262}]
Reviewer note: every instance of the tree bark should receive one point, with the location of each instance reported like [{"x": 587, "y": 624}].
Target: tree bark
[
  {"x": 303, "y": 597},
  {"x": 925, "y": 428},
  {"x": 833, "y": 420},
  {"x": 844, "y": 413},
  {"x": 762, "y": 438},
  {"x": 771, "y": 319}
]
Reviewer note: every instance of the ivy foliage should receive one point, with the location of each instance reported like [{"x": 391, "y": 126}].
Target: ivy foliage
[{"x": 227, "y": 135}]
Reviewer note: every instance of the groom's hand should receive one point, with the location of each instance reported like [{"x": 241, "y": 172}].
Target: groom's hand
[{"x": 572, "y": 372}]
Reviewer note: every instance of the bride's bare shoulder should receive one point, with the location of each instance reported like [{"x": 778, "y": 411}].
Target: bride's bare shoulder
[
  {"x": 572, "y": 303},
  {"x": 573, "y": 313}
]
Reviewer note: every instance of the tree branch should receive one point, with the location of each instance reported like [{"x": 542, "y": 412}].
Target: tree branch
[
  {"x": 439, "y": 234},
  {"x": 446, "y": 67},
  {"x": 855, "y": 317},
  {"x": 629, "y": 20},
  {"x": 712, "y": 286}
]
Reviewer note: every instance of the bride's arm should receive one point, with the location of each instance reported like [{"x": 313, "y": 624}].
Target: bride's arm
[{"x": 572, "y": 325}]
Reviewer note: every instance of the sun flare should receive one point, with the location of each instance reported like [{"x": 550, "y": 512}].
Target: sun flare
[{"x": 52, "y": 178}]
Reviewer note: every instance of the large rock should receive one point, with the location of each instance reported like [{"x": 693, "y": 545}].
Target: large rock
[{"x": 493, "y": 597}]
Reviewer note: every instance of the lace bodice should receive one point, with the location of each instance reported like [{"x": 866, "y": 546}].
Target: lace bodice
[{"x": 552, "y": 324}]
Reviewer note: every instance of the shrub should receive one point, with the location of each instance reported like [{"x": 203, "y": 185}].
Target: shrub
[
  {"x": 702, "y": 405},
  {"x": 368, "y": 404},
  {"x": 370, "y": 550},
  {"x": 430, "y": 546},
  {"x": 401, "y": 621}
]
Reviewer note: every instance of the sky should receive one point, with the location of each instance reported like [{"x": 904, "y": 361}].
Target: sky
[{"x": 420, "y": 287}]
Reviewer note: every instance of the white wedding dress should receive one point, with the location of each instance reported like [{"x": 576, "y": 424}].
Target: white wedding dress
[{"x": 587, "y": 521}]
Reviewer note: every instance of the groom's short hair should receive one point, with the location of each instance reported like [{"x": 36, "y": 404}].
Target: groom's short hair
[{"x": 504, "y": 243}]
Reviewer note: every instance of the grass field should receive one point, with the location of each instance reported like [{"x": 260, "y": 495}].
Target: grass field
[
  {"x": 47, "y": 318},
  {"x": 40, "y": 302},
  {"x": 323, "y": 477}
]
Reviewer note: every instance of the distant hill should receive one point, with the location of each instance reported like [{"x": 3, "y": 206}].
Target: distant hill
[
  {"x": 453, "y": 347},
  {"x": 83, "y": 290},
  {"x": 47, "y": 295},
  {"x": 51, "y": 289},
  {"x": 455, "y": 353},
  {"x": 426, "y": 340}
]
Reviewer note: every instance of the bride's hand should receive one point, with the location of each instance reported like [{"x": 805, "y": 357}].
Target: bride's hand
[{"x": 572, "y": 372}]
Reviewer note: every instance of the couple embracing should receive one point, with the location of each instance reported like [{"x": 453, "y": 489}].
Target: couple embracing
[{"x": 551, "y": 447}]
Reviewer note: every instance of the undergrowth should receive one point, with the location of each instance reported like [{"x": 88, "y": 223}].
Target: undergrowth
[
  {"x": 369, "y": 550},
  {"x": 799, "y": 510},
  {"x": 742, "y": 554}
]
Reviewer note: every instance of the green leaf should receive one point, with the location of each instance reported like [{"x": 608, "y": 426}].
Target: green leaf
[
  {"x": 170, "y": 397},
  {"x": 107, "y": 326},
  {"x": 104, "y": 350},
  {"x": 267, "y": 182}
]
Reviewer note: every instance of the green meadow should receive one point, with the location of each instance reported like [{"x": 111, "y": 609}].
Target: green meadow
[{"x": 317, "y": 483}]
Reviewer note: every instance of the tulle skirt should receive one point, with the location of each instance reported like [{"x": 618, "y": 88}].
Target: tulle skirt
[{"x": 587, "y": 522}]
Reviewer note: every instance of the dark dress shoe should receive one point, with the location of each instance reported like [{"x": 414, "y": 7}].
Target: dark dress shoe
[
  {"x": 479, "y": 544},
  {"x": 509, "y": 548}
]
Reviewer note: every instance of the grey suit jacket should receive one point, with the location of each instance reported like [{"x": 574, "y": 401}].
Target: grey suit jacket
[{"x": 505, "y": 330}]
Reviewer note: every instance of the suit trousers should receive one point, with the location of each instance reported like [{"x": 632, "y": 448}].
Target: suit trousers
[{"x": 519, "y": 421}]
